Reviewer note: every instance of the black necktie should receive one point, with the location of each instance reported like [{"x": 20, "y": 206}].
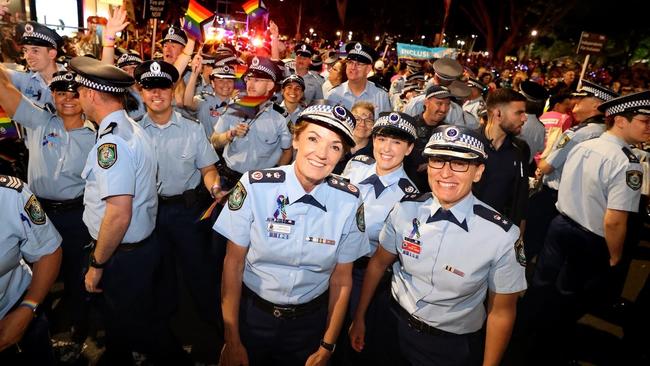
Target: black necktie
[
  {"x": 376, "y": 182},
  {"x": 447, "y": 216},
  {"x": 310, "y": 200}
]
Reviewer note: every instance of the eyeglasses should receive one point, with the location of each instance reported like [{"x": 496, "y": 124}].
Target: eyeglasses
[
  {"x": 459, "y": 166},
  {"x": 367, "y": 121}
]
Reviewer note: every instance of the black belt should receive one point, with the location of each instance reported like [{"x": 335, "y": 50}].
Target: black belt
[
  {"x": 189, "y": 198},
  {"x": 576, "y": 225},
  {"x": 51, "y": 205},
  {"x": 286, "y": 311},
  {"x": 416, "y": 324}
]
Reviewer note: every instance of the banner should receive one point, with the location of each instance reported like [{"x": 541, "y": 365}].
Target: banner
[
  {"x": 154, "y": 9},
  {"x": 416, "y": 52}
]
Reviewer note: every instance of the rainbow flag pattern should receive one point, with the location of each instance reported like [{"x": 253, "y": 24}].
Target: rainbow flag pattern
[
  {"x": 208, "y": 212},
  {"x": 253, "y": 6},
  {"x": 195, "y": 16},
  {"x": 248, "y": 101},
  {"x": 8, "y": 129}
]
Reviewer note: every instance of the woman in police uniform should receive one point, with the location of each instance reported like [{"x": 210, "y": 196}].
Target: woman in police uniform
[
  {"x": 293, "y": 233},
  {"x": 451, "y": 249}
]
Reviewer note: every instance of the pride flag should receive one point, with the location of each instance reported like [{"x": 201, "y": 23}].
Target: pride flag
[
  {"x": 195, "y": 16},
  {"x": 248, "y": 101},
  {"x": 8, "y": 129},
  {"x": 253, "y": 6}
]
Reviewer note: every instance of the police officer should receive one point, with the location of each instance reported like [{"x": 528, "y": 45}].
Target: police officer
[
  {"x": 41, "y": 47},
  {"x": 313, "y": 81},
  {"x": 58, "y": 144},
  {"x": 533, "y": 131},
  {"x": 446, "y": 71},
  {"x": 438, "y": 287},
  {"x": 120, "y": 211},
  {"x": 257, "y": 141},
  {"x": 135, "y": 107},
  {"x": 293, "y": 233},
  {"x": 541, "y": 209},
  {"x": 600, "y": 185},
  {"x": 293, "y": 97},
  {"x": 475, "y": 103},
  {"x": 185, "y": 163},
  {"x": 26, "y": 235},
  {"x": 382, "y": 183},
  {"x": 211, "y": 105},
  {"x": 359, "y": 63}
]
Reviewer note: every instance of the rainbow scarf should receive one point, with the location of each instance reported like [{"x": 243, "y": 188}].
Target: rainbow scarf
[{"x": 195, "y": 16}]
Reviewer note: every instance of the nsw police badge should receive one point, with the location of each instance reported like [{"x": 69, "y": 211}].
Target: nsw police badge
[
  {"x": 106, "y": 155},
  {"x": 237, "y": 197},
  {"x": 519, "y": 252},
  {"x": 35, "y": 211},
  {"x": 361, "y": 220},
  {"x": 634, "y": 178}
]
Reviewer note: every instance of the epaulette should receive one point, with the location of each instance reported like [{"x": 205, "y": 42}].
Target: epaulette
[
  {"x": 208, "y": 93},
  {"x": 266, "y": 176},
  {"x": 343, "y": 185},
  {"x": 379, "y": 86},
  {"x": 493, "y": 217},
  {"x": 49, "y": 107},
  {"x": 340, "y": 177},
  {"x": 416, "y": 197},
  {"x": 188, "y": 117},
  {"x": 109, "y": 129},
  {"x": 630, "y": 155},
  {"x": 406, "y": 186},
  {"x": 8, "y": 181},
  {"x": 579, "y": 126},
  {"x": 280, "y": 109},
  {"x": 364, "y": 159}
]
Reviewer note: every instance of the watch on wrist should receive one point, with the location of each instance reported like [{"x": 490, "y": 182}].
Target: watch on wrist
[
  {"x": 94, "y": 263},
  {"x": 328, "y": 346}
]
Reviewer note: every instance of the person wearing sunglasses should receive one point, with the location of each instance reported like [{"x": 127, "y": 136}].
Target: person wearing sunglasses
[{"x": 448, "y": 251}]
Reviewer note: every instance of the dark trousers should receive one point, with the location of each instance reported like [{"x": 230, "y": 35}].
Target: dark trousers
[
  {"x": 569, "y": 280},
  {"x": 541, "y": 211},
  {"x": 74, "y": 232},
  {"x": 276, "y": 341},
  {"x": 34, "y": 349},
  {"x": 132, "y": 322},
  {"x": 186, "y": 244},
  {"x": 423, "y": 349}
]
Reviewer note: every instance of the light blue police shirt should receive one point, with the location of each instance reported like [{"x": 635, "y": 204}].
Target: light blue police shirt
[
  {"x": 456, "y": 115},
  {"x": 293, "y": 116},
  {"x": 181, "y": 151},
  {"x": 26, "y": 235},
  {"x": 563, "y": 146},
  {"x": 32, "y": 85},
  {"x": 444, "y": 271},
  {"x": 293, "y": 246},
  {"x": 137, "y": 113},
  {"x": 313, "y": 86},
  {"x": 209, "y": 108},
  {"x": 262, "y": 146},
  {"x": 56, "y": 155},
  {"x": 342, "y": 94},
  {"x": 599, "y": 174},
  {"x": 122, "y": 162},
  {"x": 376, "y": 208},
  {"x": 533, "y": 132}
]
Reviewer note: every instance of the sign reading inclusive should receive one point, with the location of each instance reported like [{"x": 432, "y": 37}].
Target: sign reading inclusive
[{"x": 416, "y": 52}]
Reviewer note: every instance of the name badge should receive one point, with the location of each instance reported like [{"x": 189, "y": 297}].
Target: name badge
[
  {"x": 411, "y": 247},
  {"x": 455, "y": 271},
  {"x": 279, "y": 228},
  {"x": 316, "y": 240}
]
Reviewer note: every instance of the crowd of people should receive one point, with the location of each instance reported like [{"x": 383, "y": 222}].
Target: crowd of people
[{"x": 320, "y": 206}]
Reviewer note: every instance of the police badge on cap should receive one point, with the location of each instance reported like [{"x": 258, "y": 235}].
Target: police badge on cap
[
  {"x": 156, "y": 74},
  {"x": 456, "y": 142},
  {"x": 336, "y": 118},
  {"x": 400, "y": 124}
]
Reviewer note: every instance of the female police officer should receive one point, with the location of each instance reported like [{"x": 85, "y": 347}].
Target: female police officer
[
  {"x": 451, "y": 249},
  {"x": 293, "y": 234}
]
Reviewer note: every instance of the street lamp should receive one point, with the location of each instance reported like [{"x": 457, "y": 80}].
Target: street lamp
[
  {"x": 376, "y": 38},
  {"x": 471, "y": 48},
  {"x": 533, "y": 34},
  {"x": 311, "y": 30}
]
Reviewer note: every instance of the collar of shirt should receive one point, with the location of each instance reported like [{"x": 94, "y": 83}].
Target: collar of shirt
[
  {"x": 346, "y": 89},
  {"x": 461, "y": 210},
  {"x": 116, "y": 116},
  {"x": 391, "y": 178},
  {"x": 35, "y": 75},
  {"x": 295, "y": 191},
  {"x": 146, "y": 121},
  {"x": 89, "y": 125},
  {"x": 614, "y": 139}
]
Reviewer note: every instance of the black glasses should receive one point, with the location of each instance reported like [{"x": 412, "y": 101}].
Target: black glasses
[{"x": 459, "y": 166}]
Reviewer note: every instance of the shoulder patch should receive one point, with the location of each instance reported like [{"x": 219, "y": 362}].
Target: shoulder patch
[
  {"x": 416, "y": 197},
  {"x": 280, "y": 109},
  {"x": 237, "y": 197},
  {"x": 343, "y": 185},
  {"x": 368, "y": 160},
  {"x": 266, "y": 176},
  {"x": 361, "y": 220},
  {"x": 109, "y": 129},
  {"x": 634, "y": 179},
  {"x": 563, "y": 140},
  {"x": 520, "y": 254},
  {"x": 406, "y": 186},
  {"x": 106, "y": 155},
  {"x": 8, "y": 181},
  {"x": 630, "y": 155},
  {"x": 35, "y": 211},
  {"x": 493, "y": 217}
]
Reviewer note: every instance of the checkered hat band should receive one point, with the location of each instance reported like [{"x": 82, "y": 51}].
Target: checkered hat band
[
  {"x": 58, "y": 78},
  {"x": 176, "y": 38},
  {"x": 443, "y": 93},
  {"x": 263, "y": 69},
  {"x": 103, "y": 88},
  {"x": 361, "y": 53},
  {"x": 463, "y": 141},
  {"x": 475, "y": 84},
  {"x": 224, "y": 61},
  {"x": 600, "y": 94},
  {"x": 156, "y": 75},
  {"x": 401, "y": 124},
  {"x": 325, "y": 112},
  {"x": 41, "y": 36},
  {"x": 123, "y": 60},
  {"x": 208, "y": 62},
  {"x": 632, "y": 105}
]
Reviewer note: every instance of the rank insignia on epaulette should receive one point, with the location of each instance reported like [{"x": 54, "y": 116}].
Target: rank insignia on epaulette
[
  {"x": 343, "y": 186},
  {"x": 106, "y": 155},
  {"x": 267, "y": 176},
  {"x": 406, "y": 186},
  {"x": 364, "y": 159},
  {"x": 237, "y": 197},
  {"x": 630, "y": 155},
  {"x": 35, "y": 211},
  {"x": 493, "y": 217},
  {"x": 634, "y": 178},
  {"x": 11, "y": 182},
  {"x": 416, "y": 197}
]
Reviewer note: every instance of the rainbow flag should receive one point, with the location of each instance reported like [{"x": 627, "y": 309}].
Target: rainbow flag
[
  {"x": 208, "y": 212},
  {"x": 240, "y": 70},
  {"x": 8, "y": 129},
  {"x": 253, "y": 6},
  {"x": 248, "y": 101},
  {"x": 195, "y": 16}
]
